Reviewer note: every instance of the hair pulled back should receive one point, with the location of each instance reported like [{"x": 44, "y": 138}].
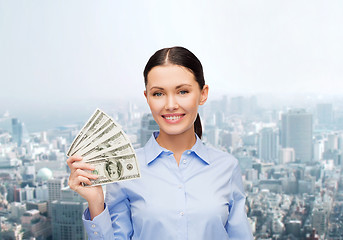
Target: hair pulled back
[{"x": 182, "y": 57}]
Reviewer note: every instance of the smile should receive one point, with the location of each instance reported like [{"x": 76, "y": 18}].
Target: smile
[{"x": 173, "y": 117}]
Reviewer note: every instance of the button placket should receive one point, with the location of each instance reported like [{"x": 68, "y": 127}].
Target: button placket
[{"x": 185, "y": 157}]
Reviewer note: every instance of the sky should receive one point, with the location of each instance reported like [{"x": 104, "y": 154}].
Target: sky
[{"x": 70, "y": 53}]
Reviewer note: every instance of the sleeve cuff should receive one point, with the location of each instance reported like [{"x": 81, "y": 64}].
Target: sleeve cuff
[{"x": 101, "y": 225}]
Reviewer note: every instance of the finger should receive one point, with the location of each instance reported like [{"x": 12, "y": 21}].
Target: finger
[
  {"x": 75, "y": 183},
  {"x": 85, "y": 180},
  {"x": 80, "y": 172},
  {"x": 73, "y": 159},
  {"x": 83, "y": 165}
]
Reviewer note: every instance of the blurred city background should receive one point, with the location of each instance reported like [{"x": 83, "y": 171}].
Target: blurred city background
[
  {"x": 276, "y": 102},
  {"x": 290, "y": 156}
]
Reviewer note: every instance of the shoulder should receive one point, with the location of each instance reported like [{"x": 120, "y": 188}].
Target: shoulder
[
  {"x": 140, "y": 153},
  {"x": 220, "y": 157}
]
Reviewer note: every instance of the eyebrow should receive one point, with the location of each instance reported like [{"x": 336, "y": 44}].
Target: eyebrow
[{"x": 178, "y": 86}]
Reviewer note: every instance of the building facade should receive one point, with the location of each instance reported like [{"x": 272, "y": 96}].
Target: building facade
[{"x": 296, "y": 133}]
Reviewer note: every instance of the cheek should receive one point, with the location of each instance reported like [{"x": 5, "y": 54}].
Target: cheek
[
  {"x": 190, "y": 104},
  {"x": 155, "y": 105}
]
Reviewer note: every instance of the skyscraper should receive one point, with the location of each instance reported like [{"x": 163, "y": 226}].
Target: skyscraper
[
  {"x": 319, "y": 220},
  {"x": 54, "y": 190},
  {"x": 54, "y": 186},
  {"x": 17, "y": 131},
  {"x": 268, "y": 145},
  {"x": 296, "y": 133},
  {"x": 148, "y": 126},
  {"x": 66, "y": 221}
]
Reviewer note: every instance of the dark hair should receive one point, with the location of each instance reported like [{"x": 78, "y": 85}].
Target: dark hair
[{"x": 182, "y": 57}]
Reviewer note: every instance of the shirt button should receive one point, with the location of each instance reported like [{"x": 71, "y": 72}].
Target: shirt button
[
  {"x": 180, "y": 186},
  {"x": 184, "y": 161},
  {"x": 95, "y": 233},
  {"x": 93, "y": 226},
  {"x": 182, "y": 213}
]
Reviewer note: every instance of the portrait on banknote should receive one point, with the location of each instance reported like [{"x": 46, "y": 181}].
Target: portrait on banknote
[{"x": 113, "y": 170}]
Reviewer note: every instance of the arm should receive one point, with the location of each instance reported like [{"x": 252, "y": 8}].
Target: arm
[
  {"x": 115, "y": 221},
  {"x": 237, "y": 226}
]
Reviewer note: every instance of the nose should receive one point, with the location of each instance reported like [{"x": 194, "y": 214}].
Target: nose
[{"x": 171, "y": 103}]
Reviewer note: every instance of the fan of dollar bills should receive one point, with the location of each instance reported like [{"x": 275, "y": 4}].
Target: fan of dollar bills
[{"x": 102, "y": 143}]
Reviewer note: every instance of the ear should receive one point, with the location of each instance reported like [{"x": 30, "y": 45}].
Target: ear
[
  {"x": 145, "y": 94},
  {"x": 204, "y": 95}
]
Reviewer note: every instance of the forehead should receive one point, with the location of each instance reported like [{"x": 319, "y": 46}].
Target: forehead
[{"x": 170, "y": 75}]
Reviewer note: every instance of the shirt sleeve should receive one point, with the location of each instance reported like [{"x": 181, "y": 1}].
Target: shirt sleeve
[
  {"x": 238, "y": 226},
  {"x": 115, "y": 221}
]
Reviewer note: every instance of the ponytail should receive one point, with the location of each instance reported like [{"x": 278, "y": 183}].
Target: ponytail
[{"x": 197, "y": 126}]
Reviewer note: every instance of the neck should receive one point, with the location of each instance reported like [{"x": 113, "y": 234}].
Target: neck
[{"x": 177, "y": 143}]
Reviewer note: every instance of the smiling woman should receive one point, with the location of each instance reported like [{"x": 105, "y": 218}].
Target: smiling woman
[
  {"x": 173, "y": 96},
  {"x": 187, "y": 189}
]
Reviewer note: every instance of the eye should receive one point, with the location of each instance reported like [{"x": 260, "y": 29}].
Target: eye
[
  {"x": 183, "y": 92},
  {"x": 157, "y": 94}
]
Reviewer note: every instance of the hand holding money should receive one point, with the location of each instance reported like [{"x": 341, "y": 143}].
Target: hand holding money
[
  {"x": 104, "y": 145},
  {"x": 80, "y": 172},
  {"x": 93, "y": 195}
]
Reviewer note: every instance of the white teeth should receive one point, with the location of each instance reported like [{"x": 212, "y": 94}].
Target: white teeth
[{"x": 173, "y": 118}]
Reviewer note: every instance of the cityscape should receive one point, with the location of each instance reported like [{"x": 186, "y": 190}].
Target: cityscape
[{"x": 290, "y": 154}]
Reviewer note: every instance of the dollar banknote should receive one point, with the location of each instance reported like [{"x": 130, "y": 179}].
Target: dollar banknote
[
  {"x": 84, "y": 129},
  {"x": 97, "y": 133},
  {"x": 115, "y": 140},
  {"x": 103, "y": 143},
  {"x": 94, "y": 141},
  {"x": 110, "y": 152},
  {"x": 113, "y": 169},
  {"x": 91, "y": 129}
]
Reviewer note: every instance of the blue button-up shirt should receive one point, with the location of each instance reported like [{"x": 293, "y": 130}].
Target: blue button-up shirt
[{"x": 201, "y": 199}]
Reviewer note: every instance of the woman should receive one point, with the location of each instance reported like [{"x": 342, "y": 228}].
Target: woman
[{"x": 187, "y": 190}]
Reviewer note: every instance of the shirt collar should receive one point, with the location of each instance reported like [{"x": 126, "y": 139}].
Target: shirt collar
[
  {"x": 200, "y": 150},
  {"x": 153, "y": 150}
]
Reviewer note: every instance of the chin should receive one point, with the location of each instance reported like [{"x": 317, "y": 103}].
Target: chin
[{"x": 175, "y": 132}]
